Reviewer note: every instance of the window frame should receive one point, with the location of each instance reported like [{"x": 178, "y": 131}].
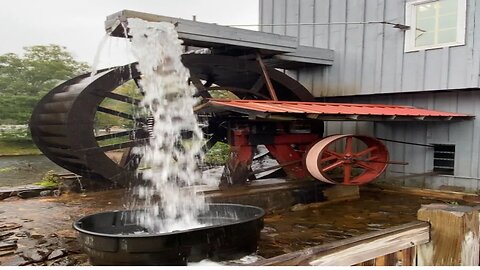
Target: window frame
[{"x": 411, "y": 20}]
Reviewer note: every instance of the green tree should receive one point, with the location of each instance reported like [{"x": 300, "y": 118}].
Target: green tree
[
  {"x": 41, "y": 68},
  {"x": 25, "y": 78}
]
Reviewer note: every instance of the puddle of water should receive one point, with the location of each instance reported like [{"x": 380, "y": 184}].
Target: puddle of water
[{"x": 295, "y": 230}]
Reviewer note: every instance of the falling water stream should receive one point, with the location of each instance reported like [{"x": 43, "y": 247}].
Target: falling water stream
[{"x": 170, "y": 159}]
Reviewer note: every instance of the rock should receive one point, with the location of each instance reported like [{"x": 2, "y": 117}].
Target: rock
[
  {"x": 56, "y": 254},
  {"x": 46, "y": 193},
  {"x": 41, "y": 242},
  {"x": 36, "y": 255},
  {"x": 7, "y": 245},
  {"x": 9, "y": 227},
  {"x": 65, "y": 261},
  {"x": 16, "y": 261},
  {"x": 22, "y": 234},
  {"x": 6, "y": 253},
  {"x": 4, "y": 195},
  {"x": 5, "y": 235},
  {"x": 36, "y": 236},
  {"x": 28, "y": 194}
]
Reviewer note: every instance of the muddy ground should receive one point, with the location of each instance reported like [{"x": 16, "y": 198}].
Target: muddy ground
[{"x": 38, "y": 231}]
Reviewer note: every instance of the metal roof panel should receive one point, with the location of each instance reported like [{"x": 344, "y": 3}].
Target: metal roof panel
[{"x": 332, "y": 109}]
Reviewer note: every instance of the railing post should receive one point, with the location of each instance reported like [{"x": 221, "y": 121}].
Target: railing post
[{"x": 454, "y": 236}]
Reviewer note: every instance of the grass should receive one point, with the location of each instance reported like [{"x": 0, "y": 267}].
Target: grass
[{"x": 15, "y": 141}]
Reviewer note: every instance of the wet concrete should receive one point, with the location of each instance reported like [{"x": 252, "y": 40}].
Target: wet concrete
[{"x": 41, "y": 228}]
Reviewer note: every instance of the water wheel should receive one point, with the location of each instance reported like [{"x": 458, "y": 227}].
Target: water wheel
[{"x": 63, "y": 122}]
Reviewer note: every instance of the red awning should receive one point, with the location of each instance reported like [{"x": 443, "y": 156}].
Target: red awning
[{"x": 328, "y": 111}]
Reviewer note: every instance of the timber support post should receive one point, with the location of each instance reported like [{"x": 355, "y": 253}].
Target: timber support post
[{"x": 454, "y": 236}]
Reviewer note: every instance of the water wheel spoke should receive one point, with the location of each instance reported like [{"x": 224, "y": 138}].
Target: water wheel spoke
[
  {"x": 120, "y": 114},
  {"x": 122, "y": 145},
  {"x": 139, "y": 86},
  {"x": 332, "y": 166},
  {"x": 366, "y": 151},
  {"x": 201, "y": 89},
  {"x": 364, "y": 165},
  {"x": 372, "y": 158},
  {"x": 332, "y": 153},
  {"x": 122, "y": 98},
  {"x": 117, "y": 134},
  {"x": 347, "y": 172},
  {"x": 329, "y": 158}
]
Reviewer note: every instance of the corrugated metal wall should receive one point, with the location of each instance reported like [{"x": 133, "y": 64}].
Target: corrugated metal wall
[{"x": 370, "y": 58}]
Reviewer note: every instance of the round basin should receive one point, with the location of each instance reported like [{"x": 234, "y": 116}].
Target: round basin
[{"x": 231, "y": 231}]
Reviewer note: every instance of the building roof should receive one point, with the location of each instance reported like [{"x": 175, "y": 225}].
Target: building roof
[{"x": 327, "y": 111}]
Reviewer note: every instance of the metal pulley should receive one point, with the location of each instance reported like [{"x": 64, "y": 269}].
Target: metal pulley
[{"x": 347, "y": 159}]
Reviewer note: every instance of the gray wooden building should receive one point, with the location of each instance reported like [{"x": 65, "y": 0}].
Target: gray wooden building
[{"x": 424, "y": 53}]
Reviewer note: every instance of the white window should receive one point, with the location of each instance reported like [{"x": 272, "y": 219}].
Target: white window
[{"x": 435, "y": 24}]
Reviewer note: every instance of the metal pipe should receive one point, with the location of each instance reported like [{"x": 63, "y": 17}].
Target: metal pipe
[
  {"x": 403, "y": 142},
  {"x": 395, "y": 25}
]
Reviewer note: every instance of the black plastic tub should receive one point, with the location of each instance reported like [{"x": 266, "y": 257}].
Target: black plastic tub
[{"x": 107, "y": 239}]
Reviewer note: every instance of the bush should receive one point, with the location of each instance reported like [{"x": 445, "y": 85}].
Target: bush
[
  {"x": 49, "y": 180},
  {"x": 218, "y": 154}
]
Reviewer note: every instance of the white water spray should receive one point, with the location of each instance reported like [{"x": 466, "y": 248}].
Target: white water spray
[{"x": 171, "y": 163}]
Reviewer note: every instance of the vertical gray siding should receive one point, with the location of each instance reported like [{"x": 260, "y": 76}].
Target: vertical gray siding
[{"x": 370, "y": 58}]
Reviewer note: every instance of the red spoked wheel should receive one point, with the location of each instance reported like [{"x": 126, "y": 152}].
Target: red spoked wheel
[{"x": 347, "y": 159}]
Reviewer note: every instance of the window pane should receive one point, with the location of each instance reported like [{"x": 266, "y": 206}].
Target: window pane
[
  {"x": 426, "y": 10},
  {"x": 448, "y": 6},
  {"x": 426, "y": 24},
  {"x": 446, "y": 36},
  {"x": 447, "y": 21},
  {"x": 425, "y": 38}
]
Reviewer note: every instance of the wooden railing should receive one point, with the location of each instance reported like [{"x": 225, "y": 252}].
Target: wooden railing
[{"x": 393, "y": 246}]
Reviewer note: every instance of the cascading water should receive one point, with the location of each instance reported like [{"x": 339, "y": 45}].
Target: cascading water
[{"x": 170, "y": 170}]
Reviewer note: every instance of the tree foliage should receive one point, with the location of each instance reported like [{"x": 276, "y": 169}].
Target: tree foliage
[{"x": 24, "y": 79}]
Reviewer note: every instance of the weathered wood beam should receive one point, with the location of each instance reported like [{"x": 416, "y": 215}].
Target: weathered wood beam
[
  {"x": 454, "y": 236},
  {"x": 357, "y": 249},
  {"x": 285, "y": 49},
  {"x": 202, "y": 34}
]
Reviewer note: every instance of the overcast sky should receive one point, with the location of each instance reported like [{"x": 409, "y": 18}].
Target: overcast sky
[{"x": 79, "y": 25}]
